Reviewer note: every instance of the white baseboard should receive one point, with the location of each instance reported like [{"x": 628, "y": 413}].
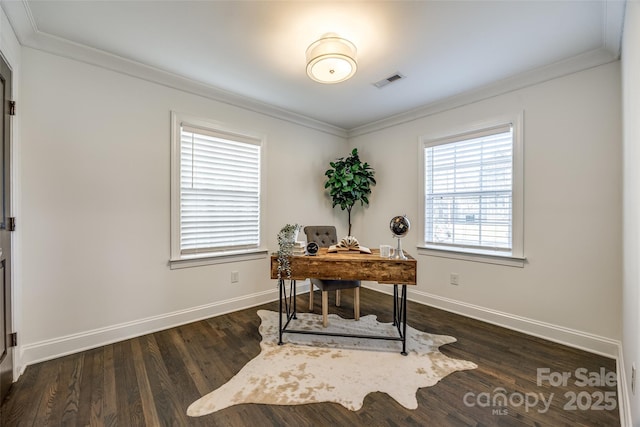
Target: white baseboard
[
  {"x": 60, "y": 346},
  {"x": 624, "y": 405},
  {"x": 566, "y": 336}
]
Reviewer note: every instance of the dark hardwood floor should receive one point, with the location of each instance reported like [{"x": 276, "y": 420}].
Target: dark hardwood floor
[{"x": 151, "y": 380}]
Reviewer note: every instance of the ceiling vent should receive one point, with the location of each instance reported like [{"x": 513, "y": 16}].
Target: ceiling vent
[{"x": 393, "y": 78}]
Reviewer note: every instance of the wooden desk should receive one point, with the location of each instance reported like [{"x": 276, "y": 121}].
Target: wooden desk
[
  {"x": 351, "y": 266},
  {"x": 348, "y": 266}
]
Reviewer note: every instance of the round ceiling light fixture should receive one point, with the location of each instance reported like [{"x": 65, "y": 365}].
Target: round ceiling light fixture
[{"x": 331, "y": 59}]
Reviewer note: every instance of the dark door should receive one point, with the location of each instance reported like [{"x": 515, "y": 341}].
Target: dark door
[{"x": 6, "y": 225}]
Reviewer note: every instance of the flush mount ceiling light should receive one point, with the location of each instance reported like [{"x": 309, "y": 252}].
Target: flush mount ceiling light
[{"x": 331, "y": 59}]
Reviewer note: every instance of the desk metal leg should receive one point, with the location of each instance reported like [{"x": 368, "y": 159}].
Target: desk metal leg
[
  {"x": 294, "y": 292},
  {"x": 404, "y": 320},
  {"x": 286, "y": 305},
  {"x": 400, "y": 315},
  {"x": 395, "y": 305},
  {"x": 281, "y": 291}
]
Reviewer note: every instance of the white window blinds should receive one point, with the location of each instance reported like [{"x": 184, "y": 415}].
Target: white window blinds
[
  {"x": 469, "y": 190},
  {"x": 219, "y": 191}
]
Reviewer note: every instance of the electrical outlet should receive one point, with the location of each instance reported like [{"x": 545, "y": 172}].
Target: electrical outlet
[
  {"x": 633, "y": 379},
  {"x": 235, "y": 277},
  {"x": 454, "y": 279}
]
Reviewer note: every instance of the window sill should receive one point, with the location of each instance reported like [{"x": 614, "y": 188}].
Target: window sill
[
  {"x": 488, "y": 257},
  {"x": 219, "y": 258}
]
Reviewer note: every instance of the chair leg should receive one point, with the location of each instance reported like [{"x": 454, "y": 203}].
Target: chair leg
[
  {"x": 337, "y": 297},
  {"x": 311, "y": 297},
  {"x": 356, "y": 303},
  {"x": 325, "y": 308}
]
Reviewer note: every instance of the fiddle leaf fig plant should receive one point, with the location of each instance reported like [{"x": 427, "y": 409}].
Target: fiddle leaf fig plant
[{"x": 349, "y": 181}]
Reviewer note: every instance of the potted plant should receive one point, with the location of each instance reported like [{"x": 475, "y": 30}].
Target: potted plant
[
  {"x": 287, "y": 237},
  {"x": 349, "y": 181}
]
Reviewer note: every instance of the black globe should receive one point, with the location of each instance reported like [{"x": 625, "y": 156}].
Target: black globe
[{"x": 399, "y": 225}]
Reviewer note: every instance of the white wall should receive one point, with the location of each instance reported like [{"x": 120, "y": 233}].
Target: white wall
[
  {"x": 95, "y": 189},
  {"x": 631, "y": 284},
  {"x": 95, "y": 201},
  {"x": 570, "y": 288}
]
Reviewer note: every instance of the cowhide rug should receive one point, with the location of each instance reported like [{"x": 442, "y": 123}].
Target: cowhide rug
[{"x": 309, "y": 368}]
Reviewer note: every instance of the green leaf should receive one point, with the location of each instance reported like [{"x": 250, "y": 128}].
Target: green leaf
[{"x": 348, "y": 181}]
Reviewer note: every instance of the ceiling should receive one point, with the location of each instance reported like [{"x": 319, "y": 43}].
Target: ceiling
[{"x": 252, "y": 53}]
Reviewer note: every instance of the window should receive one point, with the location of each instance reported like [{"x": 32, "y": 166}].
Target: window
[
  {"x": 473, "y": 192},
  {"x": 216, "y": 190}
]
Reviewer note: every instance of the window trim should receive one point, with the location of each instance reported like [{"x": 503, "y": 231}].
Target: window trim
[
  {"x": 515, "y": 257},
  {"x": 176, "y": 258}
]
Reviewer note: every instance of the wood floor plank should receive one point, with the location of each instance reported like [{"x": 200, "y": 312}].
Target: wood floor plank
[
  {"x": 184, "y": 390},
  {"x": 128, "y": 400},
  {"x": 151, "y": 380},
  {"x": 19, "y": 410},
  {"x": 91, "y": 389},
  {"x": 72, "y": 400},
  {"x": 168, "y": 404},
  {"x": 54, "y": 398},
  {"x": 109, "y": 401},
  {"x": 187, "y": 354},
  {"x": 146, "y": 394}
]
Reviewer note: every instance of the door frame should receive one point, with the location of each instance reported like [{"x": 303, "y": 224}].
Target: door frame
[{"x": 7, "y": 372}]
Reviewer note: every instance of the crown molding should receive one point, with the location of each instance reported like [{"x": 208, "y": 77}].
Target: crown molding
[
  {"x": 578, "y": 63},
  {"x": 610, "y": 51},
  {"x": 29, "y": 35}
]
